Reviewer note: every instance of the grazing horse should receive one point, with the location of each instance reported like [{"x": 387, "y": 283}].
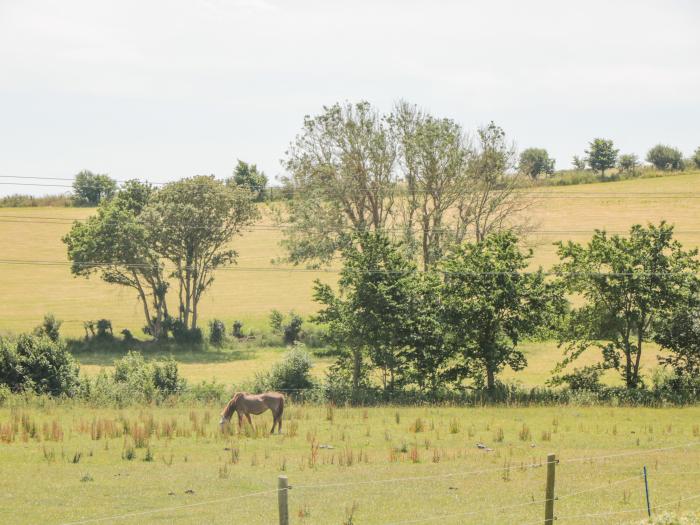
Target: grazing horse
[{"x": 247, "y": 404}]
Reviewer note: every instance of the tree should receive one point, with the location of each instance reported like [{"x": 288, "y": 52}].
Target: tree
[
  {"x": 495, "y": 199},
  {"x": 89, "y": 189},
  {"x": 535, "y": 162},
  {"x": 367, "y": 317},
  {"x": 601, "y": 155},
  {"x": 628, "y": 163},
  {"x": 490, "y": 304},
  {"x": 679, "y": 334},
  {"x": 116, "y": 244},
  {"x": 579, "y": 163},
  {"x": 433, "y": 156},
  {"x": 627, "y": 283},
  {"x": 696, "y": 158},
  {"x": 426, "y": 353},
  {"x": 665, "y": 158},
  {"x": 191, "y": 223},
  {"x": 342, "y": 180},
  {"x": 247, "y": 176}
]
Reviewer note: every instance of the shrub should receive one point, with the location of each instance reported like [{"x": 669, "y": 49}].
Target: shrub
[
  {"x": 665, "y": 157},
  {"x": 292, "y": 373},
  {"x": 38, "y": 363},
  {"x": 50, "y": 327},
  {"x": 628, "y": 163},
  {"x": 136, "y": 380},
  {"x": 184, "y": 335},
  {"x": 276, "y": 319},
  {"x": 696, "y": 158},
  {"x": 217, "y": 332},
  {"x": 237, "y": 331},
  {"x": 166, "y": 377},
  {"x": 586, "y": 378},
  {"x": 292, "y": 330}
]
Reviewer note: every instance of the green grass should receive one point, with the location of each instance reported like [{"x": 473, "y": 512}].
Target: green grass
[
  {"x": 68, "y": 473},
  {"x": 233, "y": 365}
]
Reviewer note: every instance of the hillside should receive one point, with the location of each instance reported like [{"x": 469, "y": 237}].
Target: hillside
[{"x": 255, "y": 286}]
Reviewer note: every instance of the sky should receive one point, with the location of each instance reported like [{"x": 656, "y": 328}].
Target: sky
[{"x": 164, "y": 89}]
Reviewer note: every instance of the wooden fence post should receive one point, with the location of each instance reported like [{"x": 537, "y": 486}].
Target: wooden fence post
[
  {"x": 282, "y": 490},
  {"x": 549, "y": 492}
]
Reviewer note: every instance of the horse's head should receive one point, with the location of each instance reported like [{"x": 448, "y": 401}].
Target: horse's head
[{"x": 229, "y": 410}]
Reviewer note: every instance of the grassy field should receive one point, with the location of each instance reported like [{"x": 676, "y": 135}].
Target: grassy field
[{"x": 392, "y": 465}]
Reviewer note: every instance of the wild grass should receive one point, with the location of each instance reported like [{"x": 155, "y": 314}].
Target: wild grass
[{"x": 185, "y": 450}]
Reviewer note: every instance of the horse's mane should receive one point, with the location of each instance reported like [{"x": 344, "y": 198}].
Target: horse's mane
[{"x": 231, "y": 406}]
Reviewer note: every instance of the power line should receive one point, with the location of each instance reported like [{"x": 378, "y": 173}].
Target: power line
[
  {"x": 554, "y": 193},
  {"x": 24, "y": 219},
  {"x": 144, "y": 266}
]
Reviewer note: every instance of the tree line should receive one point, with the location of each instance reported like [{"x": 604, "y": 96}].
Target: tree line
[{"x": 426, "y": 219}]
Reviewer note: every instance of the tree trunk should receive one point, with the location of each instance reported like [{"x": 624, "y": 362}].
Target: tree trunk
[
  {"x": 490, "y": 379},
  {"x": 356, "y": 368}
]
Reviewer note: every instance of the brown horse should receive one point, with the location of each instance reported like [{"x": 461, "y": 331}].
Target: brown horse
[{"x": 247, "y": 404}]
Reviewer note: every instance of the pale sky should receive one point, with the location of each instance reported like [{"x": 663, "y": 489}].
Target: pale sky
[{"x": 163, "y": 89}]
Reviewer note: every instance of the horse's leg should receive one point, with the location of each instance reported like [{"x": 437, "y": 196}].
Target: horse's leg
[
  {"x": 247, "y": 415},
  {"x": 240, "y": 422}
]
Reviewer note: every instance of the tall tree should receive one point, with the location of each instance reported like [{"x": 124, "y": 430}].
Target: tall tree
[
  {"x": 601, "y": 155},
  {"x": 495, "y": 198},
  {"x": 342, "y": 180},
  {"x": 434, "y": 155},
  {"x": 490, "y": 304},
  {"x": 192, "y": 223},
  {"x": 627, "y": 283},
  {"x": 369, "y": 313},
  {"x": 117, "y": 245}
]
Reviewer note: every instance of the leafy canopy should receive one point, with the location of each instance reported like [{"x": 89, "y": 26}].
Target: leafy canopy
[
  {"x": 627, "y": 283},
  {"x": 491, "y": 302},
  {"x": 601, "y": 155}
]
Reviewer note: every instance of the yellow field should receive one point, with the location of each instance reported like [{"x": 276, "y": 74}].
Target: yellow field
[{"x": 248, "y": 291}]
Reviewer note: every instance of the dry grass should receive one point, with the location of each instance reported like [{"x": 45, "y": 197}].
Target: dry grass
[
  {"x": 197, "y": 463},
  {"x": 31, "y": 291}
]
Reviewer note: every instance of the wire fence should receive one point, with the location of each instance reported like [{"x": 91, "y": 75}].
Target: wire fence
[{"x": 498, "y": 511}]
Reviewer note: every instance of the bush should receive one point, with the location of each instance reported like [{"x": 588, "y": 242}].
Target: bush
[
  {"x": 134, "y": 380},
  {"x": 665, "y": 158},
  {"x": 184, "y": 335},
  {"x": 217, "y": 332},
  {"x": 39, "y": 364},
  {"x": 276, "y": 319},
  {"x": 100, "y": 330},
  {"x": 237, "y": 331},
  {"x": 292, "y": 373},
  {"x": 292, "y": 330},
  {"x": 50, "y": 327},
  {"x": 586, "y": 378},
  {"x": 628, "y": 163},
  {"x": 696, "y": 158}
]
